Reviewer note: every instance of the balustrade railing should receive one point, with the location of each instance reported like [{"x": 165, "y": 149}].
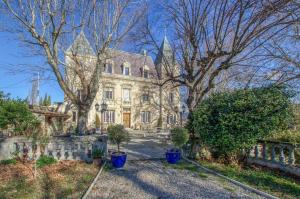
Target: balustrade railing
[
  {"x": 79, "y": 148},
  {"x": 279, "y": 155}
]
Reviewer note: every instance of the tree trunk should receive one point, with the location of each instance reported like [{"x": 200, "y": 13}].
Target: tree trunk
[
  {"x": 189, "y": 125},
  {"x": 159, "y": 123},
  {"x": 82, "y": 120}
]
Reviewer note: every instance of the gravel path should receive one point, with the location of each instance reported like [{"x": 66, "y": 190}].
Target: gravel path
[{"x": 152, "y": 179}]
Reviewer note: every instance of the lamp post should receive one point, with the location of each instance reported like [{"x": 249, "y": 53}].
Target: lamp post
[
  {"x": 181, "y": 114},
  {"x": 102, "y": 109}
]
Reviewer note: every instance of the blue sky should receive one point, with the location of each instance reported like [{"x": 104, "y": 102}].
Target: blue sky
[{"x": 18, "y": 84}]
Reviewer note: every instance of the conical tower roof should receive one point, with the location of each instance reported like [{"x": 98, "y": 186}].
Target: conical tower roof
[
  {"x": 165, "y": 52},
  {"x": 81, "y": 45}
]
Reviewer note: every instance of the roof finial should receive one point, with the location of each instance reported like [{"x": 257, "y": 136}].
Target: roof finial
[{"x": 165, "y": 31}]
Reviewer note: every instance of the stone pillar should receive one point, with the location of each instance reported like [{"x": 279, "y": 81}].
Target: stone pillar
[
  {"x": 264, "y": 151},
  {"x": 273, "y": 153},
  {"x": 281, "y": 157},
  {"x": 291, "y": 155},
  {"x": 256, "y": 151}
]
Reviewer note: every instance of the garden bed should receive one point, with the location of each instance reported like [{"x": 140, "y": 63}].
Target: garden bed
[
  {"x": 65, "y": 179},
  {"x": 270, "y": 181}
]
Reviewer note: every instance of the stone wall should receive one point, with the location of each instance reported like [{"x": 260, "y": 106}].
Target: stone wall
[{"x": 61, "y": 148}]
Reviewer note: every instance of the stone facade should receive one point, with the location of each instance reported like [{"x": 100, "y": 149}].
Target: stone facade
[{"x": 129, "y": 87}]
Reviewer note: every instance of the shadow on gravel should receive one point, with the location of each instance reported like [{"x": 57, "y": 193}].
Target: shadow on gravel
[{"x": 181, "y": 186}]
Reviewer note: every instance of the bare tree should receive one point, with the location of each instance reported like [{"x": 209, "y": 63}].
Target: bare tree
[
  {"x": 283, "y": 53},
  {"x": 48, "y": 27},
  {"x": 210, "y": 37}
]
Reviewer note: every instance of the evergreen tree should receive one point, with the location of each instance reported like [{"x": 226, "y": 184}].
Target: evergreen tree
[
  {"x": 49, "y": 100},
  {"x": 45, "y": 100}
]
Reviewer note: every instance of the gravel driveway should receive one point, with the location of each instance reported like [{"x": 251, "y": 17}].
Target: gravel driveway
[{"x": 153, "y": 178}]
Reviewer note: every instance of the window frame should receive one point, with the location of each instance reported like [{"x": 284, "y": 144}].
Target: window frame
[
  {"x": 129, "y": 94},
  {"x": 111, "y": 96},
  {"x": 146, "y": 72},
  {"x": 147, "y": 99},
  {"x": 109, "y": 116},
  {"x": 171, "y": 119},
  {"x": 145, "y": 117},
  {"x": 171, "y": 97},
  {"x": 106, "y": 68},
  {"x": 124, "y": 70}
]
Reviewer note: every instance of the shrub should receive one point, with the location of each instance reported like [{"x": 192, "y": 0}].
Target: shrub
[
  {"x": 98, "y": 153},
  {"x": 179, "y": 136},
  {"x": 8, "y": 161},
  {"x": 118, "y": 134},
  {"x": 15, "y": 113},
  {"x": 292, "y": 136},
  {"x": 45, "y": 160},
  {"x": 230, "y": 122}
]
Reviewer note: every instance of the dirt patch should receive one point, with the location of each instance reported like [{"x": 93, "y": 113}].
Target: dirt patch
[{"x": 65, "y": 179}]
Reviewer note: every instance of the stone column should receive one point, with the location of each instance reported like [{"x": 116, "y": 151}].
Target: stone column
[
  {"x": 273, "y": 153},
  {"x": 256, "y": 151},
  {"x": 281, "y": 157},
  {"x": 291, "y": 155},
  {"x": 264, "y": 151}
]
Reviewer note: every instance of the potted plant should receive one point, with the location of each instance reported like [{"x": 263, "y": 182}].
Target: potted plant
[
  {"x": 117, "y": 134},
  {"x": 97, "y": 155},
  {"x": 179, "y": 136}
]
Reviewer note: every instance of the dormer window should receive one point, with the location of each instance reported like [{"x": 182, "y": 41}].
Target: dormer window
[
  {"x": 146, "y": 74},
  {"x": 109, "y": 68},
  {"x": 145, "y": 71},
  {"x": 126, "y": 69}
]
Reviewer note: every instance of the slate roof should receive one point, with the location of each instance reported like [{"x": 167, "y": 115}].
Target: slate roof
[
  {"x": 165, "y": 52},
  {"x": 136, "y": 61},
  {"x": 82, "y": 46}
]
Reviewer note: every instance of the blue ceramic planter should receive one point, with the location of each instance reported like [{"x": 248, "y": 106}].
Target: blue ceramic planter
[
  {"x": 118, "y": 159},
  {"x": 173, "y": 156}
]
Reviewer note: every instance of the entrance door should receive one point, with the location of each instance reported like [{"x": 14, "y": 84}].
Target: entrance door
[{"x": 126, "y": 120}]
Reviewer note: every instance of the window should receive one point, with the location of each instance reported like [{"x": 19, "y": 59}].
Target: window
[
  {"x": 74, "y": 115},
  {"x": 109, "y": 117},
  {"x": 146, "y": 74},
  {"x": 109, "y": 93},
  {"x": 146, "y": 97},
  {"x": 145, "y": 116},
  {"x": 126, "y": 95},
  {"x": 171, "y": 119},
  {"x": 171, "y": 97},
  {"x": 79, "y": 94},
  {"x": 125, "y": 70},
  {"x": 108, "y": 68}
]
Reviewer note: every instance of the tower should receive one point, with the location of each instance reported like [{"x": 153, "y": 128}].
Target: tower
[
  {"x": 164, "y": 60},
  {"x": 33, "y": 96}
]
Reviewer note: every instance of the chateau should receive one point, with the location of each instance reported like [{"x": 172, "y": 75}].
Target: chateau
[{"x": 129, "y": 89}]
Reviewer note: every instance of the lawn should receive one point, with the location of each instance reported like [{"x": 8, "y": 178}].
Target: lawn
[
  {"x": 65, "y": 179},
  {"x": 272, "y": 182}
]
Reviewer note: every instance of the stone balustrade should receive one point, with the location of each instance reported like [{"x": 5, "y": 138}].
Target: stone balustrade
[
  {"x": 276, "y": 155},
  {"x": 61, "y": 148}
]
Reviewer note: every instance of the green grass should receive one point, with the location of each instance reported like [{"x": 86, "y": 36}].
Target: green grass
[
  {"x": 182, "y": 165},
  {"x": 265, "y": 180},
  {"x": 44, "y": 161},
  {"x": 8, "y": 161}
]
